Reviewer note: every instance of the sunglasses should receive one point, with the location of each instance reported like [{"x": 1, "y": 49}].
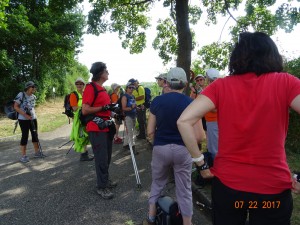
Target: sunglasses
[
  {"x": 199, "y": 80},
  {"x": 130, "y": 87},
  {"x": 79, "y": 84}
]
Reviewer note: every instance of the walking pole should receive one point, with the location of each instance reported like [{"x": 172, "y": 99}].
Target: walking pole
[
  {"x": 70, "y": 148},
  {"x": 36, "y": 135},
  {"x": 138, "y": 181},
  {"x": 65, "y": 144}
]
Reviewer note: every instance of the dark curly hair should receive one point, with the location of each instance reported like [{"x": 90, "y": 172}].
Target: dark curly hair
[
  {"x": 97, "y": 70},
  {"x": 255, "y": 52}
]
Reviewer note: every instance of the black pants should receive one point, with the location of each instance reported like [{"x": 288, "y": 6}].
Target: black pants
[
  {"x": 141, "y": 118},
  {"x": 231, "y": 207},
  {"x": 102, "y": 149},
  {"x": 25, "y": 126}
]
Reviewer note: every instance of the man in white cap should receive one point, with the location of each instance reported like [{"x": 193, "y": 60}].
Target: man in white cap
[
  {"x": 199, "y": 86},
  {"x": 162, "y": 82},
  {"x": 78, "y": 133}
]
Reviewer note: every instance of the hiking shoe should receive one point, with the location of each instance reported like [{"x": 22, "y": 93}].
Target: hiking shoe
[
  {"x": 147, "y": 222},
  {"x": 112, "y": 184},
  {"x": 86, "y": 157},
  {"x": 105, "y": 193},
  {"x": 39, "y": 155},
  {"x": 24, "y": 159}
]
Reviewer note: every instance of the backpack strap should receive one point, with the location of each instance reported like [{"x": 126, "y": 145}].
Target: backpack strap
[
  {"x": 95, "y": 92},
  {"x": 76, "y": 94}
]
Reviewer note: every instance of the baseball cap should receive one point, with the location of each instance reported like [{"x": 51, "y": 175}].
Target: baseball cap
[
  {"x": 130, "y": 84},
  {"x": 162, "y": 76},
  {"x": 199, "y": 75},
  {"x": 79, "y": 79},
  {"x": 176, "y": 75},
  {"x": 212, "y": 73},
  {"x": 132, "y": 80},
  {"x": 114, "y": 86},
  {"x": 29, "y": 84}
]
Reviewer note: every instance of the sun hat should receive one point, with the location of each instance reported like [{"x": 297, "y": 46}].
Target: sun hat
[
  {"x": 79, "y": 79},
  {"x": 212, "y": 74},
  {"x": 162, "y": 76},
  {"x": 29, "y": 84},
  {"x": 199, "y": 75},
  {"x": 176, "y": 75},
  {"x": 114, "y": 86}
]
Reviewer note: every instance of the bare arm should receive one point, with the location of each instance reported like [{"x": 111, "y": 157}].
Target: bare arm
[
  {"x": 186, "y": 122},
  {"x": 87, "y": 109},
  {"x": 151, "y": 127},
  {"x": 295, "y": 104},
  {"x": 21, "y": 112}
]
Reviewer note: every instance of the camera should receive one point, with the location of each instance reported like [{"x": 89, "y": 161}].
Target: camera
[
  {"x": 27, "y": 111},
  {"x": 102, "y": 124}
]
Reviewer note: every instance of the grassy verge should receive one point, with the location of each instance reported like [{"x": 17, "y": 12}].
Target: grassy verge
[{"x": 49, "y": 116}]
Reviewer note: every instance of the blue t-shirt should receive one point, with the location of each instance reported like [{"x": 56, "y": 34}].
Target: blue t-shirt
[
  {"x": 167, "y": 108},
  {"x": 130, "y": 102}
]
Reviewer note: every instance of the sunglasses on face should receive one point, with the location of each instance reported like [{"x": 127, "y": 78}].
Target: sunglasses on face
[
  {"x": 130, "y": 87},
  {"x": 79, "y": 84},
  {"x": 199, "y": 80}
]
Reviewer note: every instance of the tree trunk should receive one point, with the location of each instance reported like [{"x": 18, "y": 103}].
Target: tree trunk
[{"x": 184, "y": 36}]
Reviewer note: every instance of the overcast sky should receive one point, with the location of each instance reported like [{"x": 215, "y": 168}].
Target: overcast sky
[{"x": 145, "y": 66}]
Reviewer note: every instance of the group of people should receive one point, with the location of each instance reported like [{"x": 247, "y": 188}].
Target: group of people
[{"x": 250, "y": 175}]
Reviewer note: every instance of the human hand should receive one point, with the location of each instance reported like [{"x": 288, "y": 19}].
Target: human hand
[
  {"x": 296, "y": 184},
  {"x": 206, "y": 174},
  {"x": 110, "y": 107}
]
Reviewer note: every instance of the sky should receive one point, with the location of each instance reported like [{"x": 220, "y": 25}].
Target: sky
[{"x": 147, "y": 65}]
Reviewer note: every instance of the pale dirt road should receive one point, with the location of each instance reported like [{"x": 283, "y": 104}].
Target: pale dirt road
[{"x": 60, "y": 189}]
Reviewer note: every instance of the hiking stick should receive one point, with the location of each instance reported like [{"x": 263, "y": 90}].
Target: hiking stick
[
  {"x": 65, "y": 144},
  {"x": 36, "y": 136},
  {"x": 138, "y": 181},
  {"x": 16, "y": 124},
  {"x": 70, "y": 148}
]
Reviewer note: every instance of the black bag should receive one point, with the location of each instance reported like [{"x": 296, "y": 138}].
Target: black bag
[
  {"x": 9, "y": 109},
  {"x": 167, "y": 212},
  {"x": 112, "y": 131},
  {"x": 199, "y": 180},
  {"x": 68, "y": 108}
]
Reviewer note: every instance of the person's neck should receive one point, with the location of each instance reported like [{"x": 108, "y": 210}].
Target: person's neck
[
  {"x": 99, "y": 82},
  {"x": 28, "y": 92}
]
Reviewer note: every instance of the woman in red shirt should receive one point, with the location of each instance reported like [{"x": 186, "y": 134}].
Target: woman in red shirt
[{"x": 251, "y": 174}]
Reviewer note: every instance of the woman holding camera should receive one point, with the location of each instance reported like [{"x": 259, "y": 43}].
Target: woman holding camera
[
  {"x": 99, "y": 127},
  {"x": 24, "y": 106}
]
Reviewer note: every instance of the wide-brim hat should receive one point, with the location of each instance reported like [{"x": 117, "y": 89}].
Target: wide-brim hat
[
  {"x": 114, "y": 86},
  {"x": 29, "y": 84}
]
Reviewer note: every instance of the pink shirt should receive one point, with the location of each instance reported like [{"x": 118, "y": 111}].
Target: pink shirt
[{"x": 253, "y": 117}]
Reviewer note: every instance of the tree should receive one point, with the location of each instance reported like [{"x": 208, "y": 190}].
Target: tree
[
  {"x": 130, "y": 20},
  {"x": 39, "y": 43}
]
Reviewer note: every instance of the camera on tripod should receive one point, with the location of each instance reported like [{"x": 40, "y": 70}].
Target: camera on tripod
[{"x": 102, "y": 124}]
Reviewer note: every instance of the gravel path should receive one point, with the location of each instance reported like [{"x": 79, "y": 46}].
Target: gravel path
[{"x": 60, "y": 189}]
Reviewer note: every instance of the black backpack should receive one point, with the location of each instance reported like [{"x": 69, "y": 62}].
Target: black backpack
[
  {"x": 68, "y": 108},
  {"x": 167, "y": 212},
  {"x": 9, "y": 109}
]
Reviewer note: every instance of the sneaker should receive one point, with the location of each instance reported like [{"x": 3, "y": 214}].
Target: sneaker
[
  {"x": 24, "y": 159},
  {"x": 86, "y": 157},
  {"x": 147, "y": 222},
  {"x": 39, "y": 155},
  {"x": 112, "y": 184},
  {"x": 105, "y": 193}
]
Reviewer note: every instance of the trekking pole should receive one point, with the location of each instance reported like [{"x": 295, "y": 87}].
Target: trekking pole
[
  {"x": 36, "y": 135},
  {"x": 138, "y": 181},
  {"x": 16, "y": 124},
  {"x": 65, "y": 144},
  {"x": 70, "y": 148}
]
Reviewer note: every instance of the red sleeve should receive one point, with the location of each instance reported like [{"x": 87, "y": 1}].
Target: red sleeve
[{"x": 88, "y": 95}]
